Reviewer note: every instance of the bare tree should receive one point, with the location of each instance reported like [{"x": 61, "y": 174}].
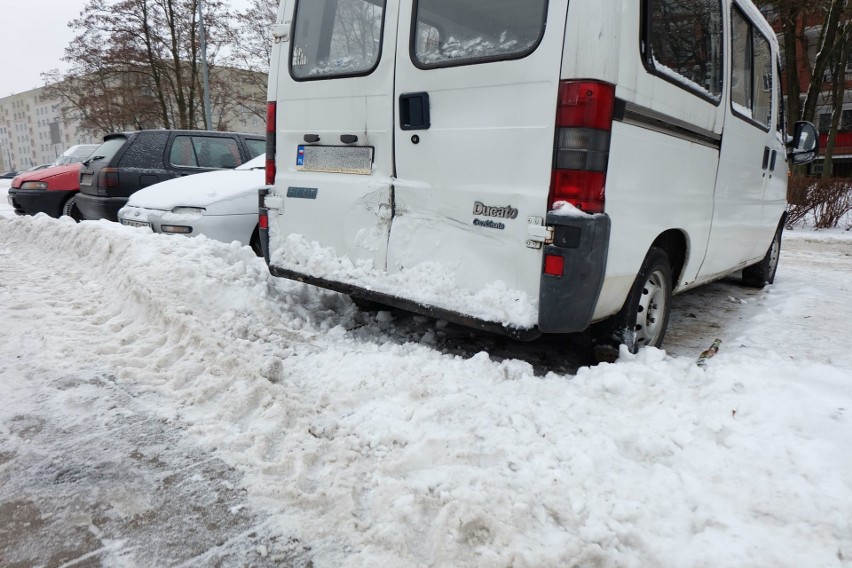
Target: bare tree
[
  {"x": 250, "y": 50},
  {"x": 135, "y": 64},
  {"x": 837, "y": 93}
]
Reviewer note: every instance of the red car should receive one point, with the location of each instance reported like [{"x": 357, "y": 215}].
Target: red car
[{"x": 51, "y": 190}]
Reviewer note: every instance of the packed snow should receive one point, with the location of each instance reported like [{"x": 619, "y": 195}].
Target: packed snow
[{"x": 364, "y": 439}]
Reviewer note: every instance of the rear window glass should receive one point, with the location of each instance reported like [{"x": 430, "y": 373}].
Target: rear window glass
[
  {"x": 205, "y": 152},
  {"x": 685, "y": 43},
  {"x": 334, "y": 38},
  {"x": 456, "y": 32},
  {"x": 109, "y": 148}
]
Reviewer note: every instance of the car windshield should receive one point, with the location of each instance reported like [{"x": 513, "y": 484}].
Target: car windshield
[
  {"x": 255, "y": 163},
  {"x": 75, "y": 154}
]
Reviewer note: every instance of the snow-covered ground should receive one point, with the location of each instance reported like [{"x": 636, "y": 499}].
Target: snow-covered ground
[{"x": 166, "y": 402}]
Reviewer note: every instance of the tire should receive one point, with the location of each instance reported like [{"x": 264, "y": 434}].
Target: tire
[
  {"x": 643, "y": 319},
  {"x": 254, "y": 243},
  {"x": 69, "y": 208},
  {"x": 763, "y": 273}
]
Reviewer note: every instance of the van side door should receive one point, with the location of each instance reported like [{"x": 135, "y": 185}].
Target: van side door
[{"x": 740, "y": 231}]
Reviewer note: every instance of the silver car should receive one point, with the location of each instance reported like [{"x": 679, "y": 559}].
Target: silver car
[{"x": 221, "y": 205}]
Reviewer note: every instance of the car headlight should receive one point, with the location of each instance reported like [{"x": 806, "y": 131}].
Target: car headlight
[
  {"x": 34, "y": 185},
  {"x": 188, "y": 210}
]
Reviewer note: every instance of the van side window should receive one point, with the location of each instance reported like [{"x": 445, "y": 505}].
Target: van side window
[
  {"x": 459, "y": 32},
  {"x": 782, "y": 115},
  {"x": 751, "y": 71},
  {"x": 336, "y": 38},
  {"x": 683, "y": 44}
]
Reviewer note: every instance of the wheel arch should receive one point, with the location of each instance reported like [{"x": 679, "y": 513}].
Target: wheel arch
[{"x": 674, "y": 243}]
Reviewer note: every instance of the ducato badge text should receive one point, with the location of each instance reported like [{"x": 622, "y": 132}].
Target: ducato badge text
[{"x": 507, "y": 212}]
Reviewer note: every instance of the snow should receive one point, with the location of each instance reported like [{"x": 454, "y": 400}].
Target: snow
[
  {"x": 366, "y": 440},
  {"x": 428, "y": 283},
  {"x": 566, "y": 209},
  {"x": 199, "y": 190}
]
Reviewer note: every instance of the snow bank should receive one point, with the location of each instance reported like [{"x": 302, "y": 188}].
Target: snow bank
[{"x": 381, "y": 452}]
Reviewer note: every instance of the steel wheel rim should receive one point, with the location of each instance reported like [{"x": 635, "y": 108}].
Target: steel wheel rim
[
  {"x": 774, "y": 255},
  {"x": 650, "y": 315}
]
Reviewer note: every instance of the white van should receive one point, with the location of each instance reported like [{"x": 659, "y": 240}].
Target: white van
[{"x": 526, "y": 166}]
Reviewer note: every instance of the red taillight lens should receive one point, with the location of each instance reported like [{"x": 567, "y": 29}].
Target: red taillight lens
[
  {"x": 263, "y": 219},
  {"x": 554, "y": 265},
  {"x": 581, "y": 153},
  {"x": 582, "y": 189},
  {"x": 585, "y": 104},
  {"x": 108, "y": 177},
  {"x": 271, "y": 114}
]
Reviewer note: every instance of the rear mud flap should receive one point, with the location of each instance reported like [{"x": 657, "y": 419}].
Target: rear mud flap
[{"x": 567, "y": 302}]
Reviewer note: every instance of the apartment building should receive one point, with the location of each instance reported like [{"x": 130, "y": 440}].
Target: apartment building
[{"x": 32, "y": 130}]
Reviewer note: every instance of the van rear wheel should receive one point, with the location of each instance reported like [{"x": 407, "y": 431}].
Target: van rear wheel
[
  {"x": 643, "y": 319},
  {"x": 763, "y": 273}
]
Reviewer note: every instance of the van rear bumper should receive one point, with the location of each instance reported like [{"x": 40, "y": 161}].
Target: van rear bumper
[
  {"x": 97, "y": 207},
  {"x": 566, "y": 303}
]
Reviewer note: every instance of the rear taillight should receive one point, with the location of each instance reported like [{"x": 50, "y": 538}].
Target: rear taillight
[
  {"x": 263, "y": 219},
  {"x": 271, "y": 113},
  {"x": 108, "y": 177},
  {"x": 581, "y": 153}
]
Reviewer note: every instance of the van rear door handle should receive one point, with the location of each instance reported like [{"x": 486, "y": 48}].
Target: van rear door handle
[
  {"x": 414, "y": 111},
  {"x": 765, "y": 157}
]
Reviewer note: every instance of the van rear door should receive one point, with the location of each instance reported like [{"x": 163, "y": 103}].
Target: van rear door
[
  {"x": 476, "y": 92},
  {"x": 335, "y": 125}
]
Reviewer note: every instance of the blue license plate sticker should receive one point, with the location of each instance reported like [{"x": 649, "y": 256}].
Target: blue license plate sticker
[{"x": 300, "y": 156}]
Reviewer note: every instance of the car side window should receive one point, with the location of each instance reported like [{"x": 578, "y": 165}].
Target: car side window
[
  {"x": 205, "y": 152},
  {"x": 683, "y": 44},
  {"x": 182, "y": 153},
  {"x": 216, "y": 152},
  {"x": 255, "y": 147}
]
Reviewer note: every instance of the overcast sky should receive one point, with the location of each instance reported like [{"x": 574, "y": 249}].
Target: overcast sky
[{"x": 33, "y": 40}]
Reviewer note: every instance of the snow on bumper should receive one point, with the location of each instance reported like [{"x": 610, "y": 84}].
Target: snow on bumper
[{"x": 428, "y": 284}]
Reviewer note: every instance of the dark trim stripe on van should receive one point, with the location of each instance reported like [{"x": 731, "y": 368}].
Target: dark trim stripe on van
[{"x": 643, "y": 117}]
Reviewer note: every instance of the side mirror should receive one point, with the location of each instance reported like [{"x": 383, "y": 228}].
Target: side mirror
[{"x": 804, "y": 146}]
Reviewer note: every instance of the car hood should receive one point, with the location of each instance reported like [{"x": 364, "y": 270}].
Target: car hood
[
  {"x": 47, "y": 173},
  {"x": 203, "y": 190}
]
